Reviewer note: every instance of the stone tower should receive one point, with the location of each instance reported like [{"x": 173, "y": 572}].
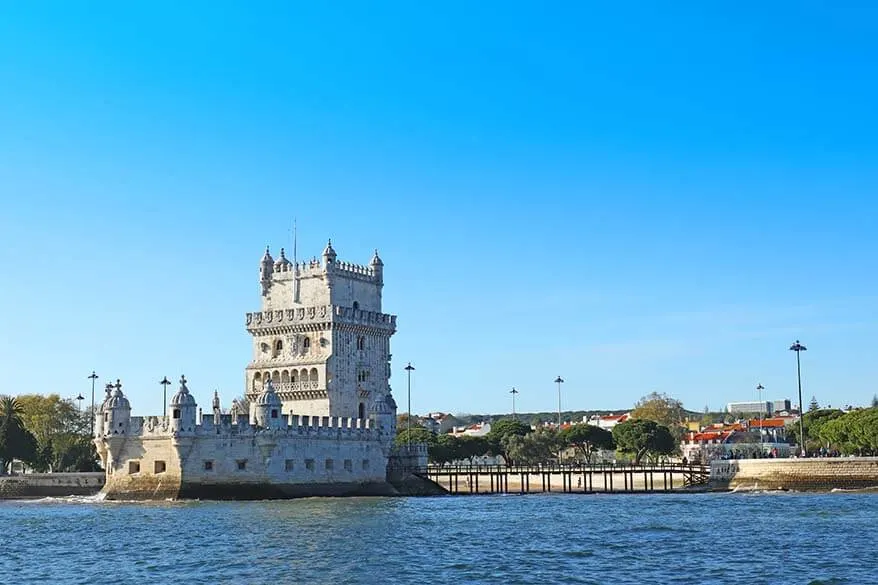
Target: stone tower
[{"x": 321, "y": 337}]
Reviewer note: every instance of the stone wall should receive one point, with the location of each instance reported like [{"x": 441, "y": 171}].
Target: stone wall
[
  {"x": 55, "y": 485},
  {"x": 270, "y": 464},
  {"x": 819, "y": 474}
]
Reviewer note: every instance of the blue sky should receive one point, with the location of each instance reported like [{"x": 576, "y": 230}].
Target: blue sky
[{"x": 636, "y": 197}]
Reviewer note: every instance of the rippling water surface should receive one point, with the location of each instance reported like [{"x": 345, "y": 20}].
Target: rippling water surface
[{"x": 770, "y": 538}]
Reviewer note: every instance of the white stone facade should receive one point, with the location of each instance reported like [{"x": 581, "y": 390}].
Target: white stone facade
[
  {"x": 321, "y": 336},
  {"x": 322, "y": 420}
]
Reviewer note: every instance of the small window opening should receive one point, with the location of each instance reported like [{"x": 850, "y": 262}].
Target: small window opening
[
  {"x": 361, "y": 411},
  {"x": 242, "y": 464},
  {"x": 289, "y": 464},
  {"x": 160, "y": 467},
  {"x": 133, "y": 467},
  {"x": 356, "y": 305},
  {"x": 329, "y": 464},
  {"x": 306, "y": 344},
  {"x": 365, "y": 464},
  {"x": 176, "y": 413},
  {"x": 309, "y": 464},
  {"x": 348, "y": 465},
  {"x": 208, "y": 465},
  {"x": 273, "y": 413}
]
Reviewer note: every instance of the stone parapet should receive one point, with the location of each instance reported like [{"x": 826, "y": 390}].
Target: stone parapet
[
  {"x": 316, "y": 427},
  {"x": 819, "y": 474},
  {"x": 270, "y": 320},
  {"x": 45, "y": 485}
]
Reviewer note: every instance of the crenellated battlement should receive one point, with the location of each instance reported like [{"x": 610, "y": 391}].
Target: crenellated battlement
[
  {"x": 331, "y": 313},
  {"x": 311, "y": 427}
]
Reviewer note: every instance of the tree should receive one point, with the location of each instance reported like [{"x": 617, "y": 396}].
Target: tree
[
  {"x": 813, "y": 421},
  {"x": 500, "y": 430},
  {"x": 534, "y": 448},
  {"x": 16, "y": 442},
  {"x": 586, "y": 439},
  {"x": 641, "y": 437},
  {"x": 415, "y": 435},
  {"x": 62, "y": 433},
  {"x": 445, "y": 449},
  {"x": 662, "y": 409},
  {"x": 470, "y": 447},
  {"x": 814, "y": 404}
]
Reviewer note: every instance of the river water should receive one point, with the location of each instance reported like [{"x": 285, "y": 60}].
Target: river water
[{"x": 771, "y": 538}]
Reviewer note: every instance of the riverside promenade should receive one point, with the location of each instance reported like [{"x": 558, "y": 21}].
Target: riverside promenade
[
  {"x": 598, "y": 478},
  {"x": 46, "y": 485},
  {"x": 810, "y": 474}
]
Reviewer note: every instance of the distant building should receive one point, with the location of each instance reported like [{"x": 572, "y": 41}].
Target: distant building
[
  {"x": 606, "y": 421},
  {"x": 755, "y": 406},
  {"x": 781, "y": 405},
  {"x": 441, "y": 423},
  {"x": 477, "y": 430}
]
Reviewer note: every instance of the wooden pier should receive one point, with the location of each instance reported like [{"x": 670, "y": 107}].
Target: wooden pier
[{"x": 584, "y": 479}]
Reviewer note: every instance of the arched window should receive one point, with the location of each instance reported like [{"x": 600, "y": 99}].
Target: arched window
[
  {"x": 306, "y": 345},
  {"x": 361, "y": 342},
  {"x": 361, "y": 411},
  {"x": 275, "y": 376},
  {"x": 278, "y": 346},
  {"x": 273, "y": 413},
  {"x": 294, "y": 376},
  {"x": 356, "y": 305},
  {"x": 303, "y": 375},
  {"x": 284, "y": 376},
  {"x": 314, "y": 377},
  {"x": 257, "y": 381}
]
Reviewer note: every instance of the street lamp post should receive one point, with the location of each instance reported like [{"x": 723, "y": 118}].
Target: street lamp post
[
  {"x": 759, "y": 389},
  {"x": 93, "y": 377},
  {"x": 513, "y": 392},
  {"x": 408, "y": 423},
  {"x": 799, "y": 348},
  {"x": 165, "y": 383},
  {"x": 559, "y": 381}
]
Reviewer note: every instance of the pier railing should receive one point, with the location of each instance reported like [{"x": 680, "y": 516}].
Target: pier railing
[{"x": 566, "y": 477}]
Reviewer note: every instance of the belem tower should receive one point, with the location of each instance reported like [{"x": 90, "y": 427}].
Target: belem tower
[{"x": 321, "y": 418}]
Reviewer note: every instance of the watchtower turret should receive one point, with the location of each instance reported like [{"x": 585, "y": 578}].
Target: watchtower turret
[
  {"x": 117, "y": 411},
  {"x": 377, "y": 267},
  {"x": 266, "y": 269},
  {"x": 183, "y": 410},
  {"x": 268, "y": 407},
  {"x": 329, "y": 255}
]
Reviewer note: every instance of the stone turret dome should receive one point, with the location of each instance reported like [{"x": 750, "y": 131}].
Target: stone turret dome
[
  {"x": 182, "y": 397},
  {"x": 376, "y": 259},
  {"x": 282, "y": 262},
  {"x": 329, "y": 252},
  {"x": 268, "y": 397},
  {"x": 383, "y": 405},
  {"x": 266, "y": 258},
  {"x": 117, "y": 398}
]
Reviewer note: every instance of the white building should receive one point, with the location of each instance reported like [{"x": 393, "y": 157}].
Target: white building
[
  {"x": 322, "y": 419},
  {"x": 321, "y": 336}
]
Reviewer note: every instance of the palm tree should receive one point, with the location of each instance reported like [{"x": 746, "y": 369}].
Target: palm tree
[
  {"x": 10, "y": 411},
  {"x": 15, "y": 440}
]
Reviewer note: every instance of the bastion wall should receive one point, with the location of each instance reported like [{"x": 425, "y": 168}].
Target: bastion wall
[
  {"x": 819, "y": 474},
  {"x": 50, "y": 485},
  {"x": 312, "y": 456}
]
